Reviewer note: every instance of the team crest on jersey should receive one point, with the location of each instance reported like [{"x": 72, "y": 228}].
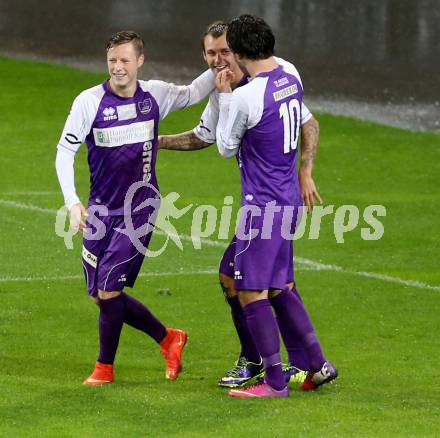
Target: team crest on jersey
[
  {"x": 109, "y": 113},
  {"x": 145, "y": 106}
]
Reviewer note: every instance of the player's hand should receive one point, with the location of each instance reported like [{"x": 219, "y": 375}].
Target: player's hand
[
  {"x": 223, "y": 81},
  {"x": 77, "y": 215},
  {"x": 309, "y": 192}
]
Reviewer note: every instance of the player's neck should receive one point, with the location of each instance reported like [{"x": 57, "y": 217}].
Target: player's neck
[
  {"x": 124, "y": 91},
  {"x": 260, "y": 66}
]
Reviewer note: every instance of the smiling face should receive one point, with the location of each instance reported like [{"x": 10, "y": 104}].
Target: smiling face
[
  {"x": 123, "y": 63},
  {"x": 218, "y": 55}
]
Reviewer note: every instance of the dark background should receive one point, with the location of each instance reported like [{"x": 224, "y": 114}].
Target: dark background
[{"x": 358, "y": 53}]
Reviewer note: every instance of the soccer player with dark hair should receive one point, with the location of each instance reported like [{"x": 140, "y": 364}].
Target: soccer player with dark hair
[
  {"x": 118, "y": 120},
  {"x": 260, "y": 122},
  {"x": 219, "y": 57}
]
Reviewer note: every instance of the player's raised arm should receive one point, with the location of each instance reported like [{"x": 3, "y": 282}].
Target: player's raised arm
[
  {"x": 233, "y": 117},
  {"x": 171, "y": 97},
  {"x": 309, "y": 146}
]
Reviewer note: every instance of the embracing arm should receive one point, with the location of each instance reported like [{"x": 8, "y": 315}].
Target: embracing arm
[{"x": 185, "y": 141}]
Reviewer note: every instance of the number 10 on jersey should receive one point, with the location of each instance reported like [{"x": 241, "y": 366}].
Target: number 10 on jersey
[{"x": 290, "y": 113}]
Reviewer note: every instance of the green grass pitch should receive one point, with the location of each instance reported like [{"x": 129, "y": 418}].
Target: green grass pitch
[{"x": 381, "y": 332}]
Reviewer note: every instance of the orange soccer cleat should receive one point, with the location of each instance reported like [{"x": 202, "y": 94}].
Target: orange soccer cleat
[
  {"x": 171, "y": 349},
  {"x": 102, "y": 375}
]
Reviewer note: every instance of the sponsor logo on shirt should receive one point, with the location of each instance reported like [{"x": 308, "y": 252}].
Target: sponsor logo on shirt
[
  {"x": 280, "y": 82},
  {"x": 285, "y": 92},
  {"x": 109, "y": 113},
  {"x": 126, "y": 112},
  {"x": 145, "y": 106},
  {"x": 147, "y": 155},
  {"x": 121, "y": 135},
  {"x": 89, "y": 258}
]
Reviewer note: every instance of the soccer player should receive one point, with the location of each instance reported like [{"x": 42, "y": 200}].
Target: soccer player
[
  {"x": 118, "y": 120},
  {"x": 219, "y": 57},
  {"x": 261, "y": 121}
]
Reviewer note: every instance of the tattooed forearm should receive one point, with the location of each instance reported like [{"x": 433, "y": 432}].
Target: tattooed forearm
[
  {"x": 309, "y": 143},
  {"x": 186, "y": 141}
]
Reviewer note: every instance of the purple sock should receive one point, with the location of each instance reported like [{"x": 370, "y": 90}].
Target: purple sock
[
  {"x": 296, "y": 321},
  {"x": 298, "y": 356},
  {"x": 264, "y": 329},
  {"x": 111, "y": 319},
  {"x": 138, "y": 316},
  {"x": 248, "y": 348}
]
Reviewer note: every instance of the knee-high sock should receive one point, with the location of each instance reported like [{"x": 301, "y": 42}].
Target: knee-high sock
[
  {"x": 298, "y": 356},
  {"x": 111, "y": 319},
  {"x": 296, "y": 322},
  {"x": 139, "y": 316},
  {"x": 264, "y": 329},
  {"x": 248, "y": 348}
]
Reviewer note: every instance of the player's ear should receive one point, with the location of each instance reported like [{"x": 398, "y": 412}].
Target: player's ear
[{"x": 140, "y": 60}]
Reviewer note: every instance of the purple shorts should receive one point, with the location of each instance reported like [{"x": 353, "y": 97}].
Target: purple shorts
[
  {"x": 113, "y": 261},
  {"x": 259, "y": 263}
]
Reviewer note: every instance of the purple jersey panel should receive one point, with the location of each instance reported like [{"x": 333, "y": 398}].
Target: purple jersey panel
[
  {"x": 268, "y": 151},
  {"x": 122, "y": 149}
]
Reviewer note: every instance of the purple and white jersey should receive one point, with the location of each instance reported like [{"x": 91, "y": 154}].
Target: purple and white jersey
[
  {"x": 121, "y": 137},
  {"x": 206, "y": 129},
  {"x": 261, "y": 121}
]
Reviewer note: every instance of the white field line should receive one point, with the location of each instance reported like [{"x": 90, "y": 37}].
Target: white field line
[
  {"x": 81, "y": 277},
  {"x": 8, "y": 279},
  {"x": 34, "y": 193},
  {"x": 307, "y": 264}
]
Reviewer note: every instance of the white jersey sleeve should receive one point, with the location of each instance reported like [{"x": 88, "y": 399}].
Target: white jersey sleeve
[
  {"x": 80, "y": 119},
  {"x": 171, "y": 97},
  {"x": 76, "y": 129},
  {"x": 232, "y": 123},
  {"x": 206, "y": 129},
  {"x": 306, "y": 115},
  {"x": 239, "y": 112}
]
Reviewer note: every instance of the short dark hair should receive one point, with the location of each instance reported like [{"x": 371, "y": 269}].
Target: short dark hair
[
  {"x": 251, "y": 37},
  {"x": 216, "y": 30},
  {"x": 127, "y": 36}
]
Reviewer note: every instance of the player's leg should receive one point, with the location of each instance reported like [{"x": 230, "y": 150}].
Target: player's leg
[
  {"x": 117, "y": 266},
  {"x": 137, "y": 315},
  {"x": 249, "y": 364},
  {"x": 298, "y": 329},
  {"x": 264, "y": 328},
  {"x": 248, "y": 349},
  {"x": 111, "y": 320},
  {"x": 92, "y": 253},
  {"x": 255, "y": 265},
  {"x": 298, "y": 357},
  {"x": 297, "y": 324}
]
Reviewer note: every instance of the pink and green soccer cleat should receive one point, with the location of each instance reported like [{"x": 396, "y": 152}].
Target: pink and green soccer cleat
[{"x": 260, "y": 390}]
